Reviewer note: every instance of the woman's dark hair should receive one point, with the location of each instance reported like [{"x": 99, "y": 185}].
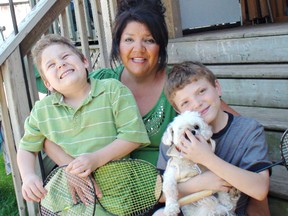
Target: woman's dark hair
[{"x": 147, "y": 12}]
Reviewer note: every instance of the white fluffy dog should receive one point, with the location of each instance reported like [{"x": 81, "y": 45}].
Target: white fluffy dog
[{"x": 180, "y": 169}]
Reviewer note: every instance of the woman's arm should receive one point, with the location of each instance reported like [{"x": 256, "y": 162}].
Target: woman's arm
[
  {"x": 56, "y": 153},
  {"x": 227, "y": 108},
  {"x": 258, "y": 208}
]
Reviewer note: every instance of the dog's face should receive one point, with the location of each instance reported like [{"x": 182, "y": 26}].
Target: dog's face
[{"x": 187, "y": 120}]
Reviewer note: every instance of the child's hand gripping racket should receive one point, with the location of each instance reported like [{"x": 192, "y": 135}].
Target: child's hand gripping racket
[
  {"x": 284, "y": 161},
  {"x": 129, "y": 187}
]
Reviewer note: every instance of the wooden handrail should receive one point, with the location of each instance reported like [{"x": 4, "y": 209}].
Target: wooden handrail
[{"x": 32, "y": 27}]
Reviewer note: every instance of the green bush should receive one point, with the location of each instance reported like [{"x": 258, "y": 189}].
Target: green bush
[{"x": 7, "y": 193}]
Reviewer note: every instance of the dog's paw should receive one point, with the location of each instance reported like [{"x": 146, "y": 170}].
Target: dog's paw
[{"x": 172, "y": 209}]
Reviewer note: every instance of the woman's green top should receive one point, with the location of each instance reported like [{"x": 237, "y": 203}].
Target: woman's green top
[
  {"x": 156, "y": 120},
  {"x": 39, "y": 82}
]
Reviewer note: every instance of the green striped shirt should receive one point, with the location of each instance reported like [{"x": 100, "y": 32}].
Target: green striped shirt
[{"x": 108, "y": 113}]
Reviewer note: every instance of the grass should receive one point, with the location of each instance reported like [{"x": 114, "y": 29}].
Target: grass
[{"x": 7, "y": 194}]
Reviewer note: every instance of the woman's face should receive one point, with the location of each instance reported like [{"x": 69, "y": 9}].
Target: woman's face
[{"x": 138, "y": 50}]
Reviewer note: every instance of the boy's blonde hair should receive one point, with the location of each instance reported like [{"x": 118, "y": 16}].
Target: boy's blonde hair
[
  {"x": 183, "y": 74},
  {"x": 48, "y": 40}
]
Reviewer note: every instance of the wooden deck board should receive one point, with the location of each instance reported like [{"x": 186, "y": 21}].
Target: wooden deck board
[
  {"x": 231, "y": 51},
  {"x": 272, "y": 119},
  {"x": 261, "y": 30},
  {"x": 279, "y": 183},
  {"x": 256, "y": 92},
  {"x": 248, "y": 71}
]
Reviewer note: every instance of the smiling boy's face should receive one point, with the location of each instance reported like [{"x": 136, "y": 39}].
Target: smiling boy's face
[
  {"x": 200, "y": 96},
  {"x": 63, "y": 68}
]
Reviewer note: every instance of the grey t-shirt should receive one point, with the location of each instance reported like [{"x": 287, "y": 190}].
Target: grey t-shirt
[{"x": 242, "y": 143}]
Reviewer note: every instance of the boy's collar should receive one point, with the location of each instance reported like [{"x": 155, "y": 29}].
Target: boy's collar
[
  {"x": 97, "y": 88},
  {"x": 223, "y": 131}
]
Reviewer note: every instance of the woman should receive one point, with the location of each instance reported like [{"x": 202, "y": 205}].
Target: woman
[{"x": 140, "y": 39}]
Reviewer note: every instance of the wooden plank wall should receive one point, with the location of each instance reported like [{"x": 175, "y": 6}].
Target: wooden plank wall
[{"x": 252, "y": 66}]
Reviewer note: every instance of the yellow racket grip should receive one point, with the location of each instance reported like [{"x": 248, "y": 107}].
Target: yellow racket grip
[{"x": 194, "y": 197}]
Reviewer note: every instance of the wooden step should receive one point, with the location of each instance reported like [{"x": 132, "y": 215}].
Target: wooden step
[
  {"x": 270, "y": 118},
  {"x": 279, "y": 183},
  {"x": 250, "y": 71}
]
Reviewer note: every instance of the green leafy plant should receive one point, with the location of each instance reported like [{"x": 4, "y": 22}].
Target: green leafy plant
[{"x": 7, "y": 193}]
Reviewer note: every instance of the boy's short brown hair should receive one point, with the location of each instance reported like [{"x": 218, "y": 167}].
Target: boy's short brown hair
[
  {"x": 183, "y": 74},
  {"x": 48, "y": 40}
]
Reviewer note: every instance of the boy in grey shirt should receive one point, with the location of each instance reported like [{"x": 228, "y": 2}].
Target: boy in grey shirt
[{"x": 241, "y": 148}]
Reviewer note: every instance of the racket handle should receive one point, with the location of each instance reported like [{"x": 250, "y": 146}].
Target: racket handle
[
  {"x": 194, "y": 197},
  {"x": 271, "y": 165}
]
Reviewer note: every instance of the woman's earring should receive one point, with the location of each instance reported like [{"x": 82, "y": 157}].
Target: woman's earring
[{"x": 220, "y": 97}]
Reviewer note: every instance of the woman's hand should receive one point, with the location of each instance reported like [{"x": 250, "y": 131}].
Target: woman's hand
[
  {"x": 32, "y": 188},
  {"x": 81, "y": 191}
]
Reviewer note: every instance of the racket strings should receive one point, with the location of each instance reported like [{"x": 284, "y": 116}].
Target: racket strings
[
  {"x": 284, "y": 148},
  {"x": 63, "y": 198},
  {"x": 136, "y": 187}
]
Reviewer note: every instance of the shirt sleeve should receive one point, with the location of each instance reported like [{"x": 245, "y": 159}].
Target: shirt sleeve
[
  {"x": 33, "y": 139},
  {"x": 255, "y": 156}
]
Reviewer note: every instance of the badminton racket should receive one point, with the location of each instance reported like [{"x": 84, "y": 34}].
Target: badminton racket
[
  {"x": 67, "y": 194},
  {"x": 129, "y": 187},
  {"x": 284, "y": 159},
  {"x": 283, "y": 151}
]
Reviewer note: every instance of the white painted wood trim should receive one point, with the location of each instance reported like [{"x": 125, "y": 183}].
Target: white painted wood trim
[{"x": 27, "y": 26}]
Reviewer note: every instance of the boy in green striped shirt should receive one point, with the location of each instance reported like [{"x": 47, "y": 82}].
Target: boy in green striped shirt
[{"x": 93, "y": 121}]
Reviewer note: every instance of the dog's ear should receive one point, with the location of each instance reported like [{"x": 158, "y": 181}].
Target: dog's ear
[{"x": 167, "y": 137}]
